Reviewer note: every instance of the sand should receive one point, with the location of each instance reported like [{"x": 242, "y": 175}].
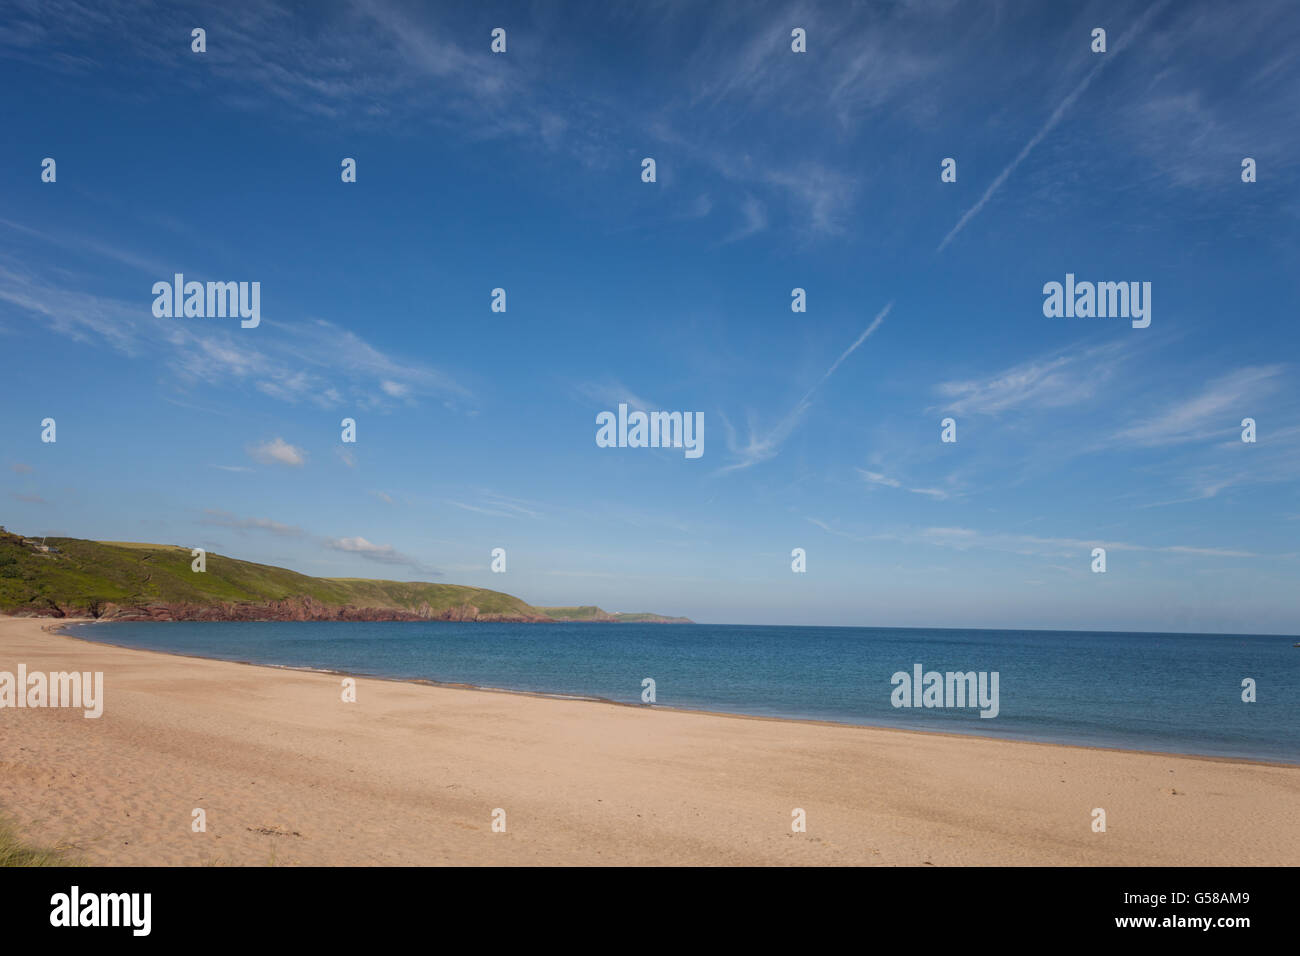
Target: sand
[{"x": 410, "y": 774}]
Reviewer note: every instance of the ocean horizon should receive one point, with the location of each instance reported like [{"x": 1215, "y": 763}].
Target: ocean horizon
[{"x": 1162, "y": 692}]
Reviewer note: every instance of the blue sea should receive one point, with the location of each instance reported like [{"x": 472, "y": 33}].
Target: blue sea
[{"x": 1179, "y": 693}]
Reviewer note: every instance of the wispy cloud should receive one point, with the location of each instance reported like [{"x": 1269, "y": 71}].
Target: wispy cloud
[
  {"x": 224, "y": 519},
  {"x": 765, "y": 446},
  {"x": 1057, "y": 379},
  {"x": 499, "y": 506},
  {"x": 823, "y": 195},
  {"x": 1209, "y": 468},
  {"x": 755, "y": 215},
  {"x": 839, "y": 533},
  {"x": 313, "y": 361},
  {"x": 278, "y": 452},
  {"x": 1060, "y": 111},
  {"x": 969, "y": 539},
  {"x": 114, "y": 252},
  {"x": 611, "y": 393},
  {"x": 964, "y": 538},
  {"x": 1215, "y": 411},
  {"x": 1218, "y": 76},
  {"x": 356, "y": 545},
  {"x": 876, "y": 478},
  {"x": 379, "y": 553}
]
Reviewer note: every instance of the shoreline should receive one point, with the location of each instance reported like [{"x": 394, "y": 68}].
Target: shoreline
[
  {"x": 546, "y": 695},
  {"x": 412, "y": 774}
]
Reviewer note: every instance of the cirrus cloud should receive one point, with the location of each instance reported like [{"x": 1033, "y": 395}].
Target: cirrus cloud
[{"x": 379, "y": 553}]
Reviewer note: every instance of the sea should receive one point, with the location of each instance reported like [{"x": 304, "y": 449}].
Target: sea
[{"x": 1175, "y": 693}]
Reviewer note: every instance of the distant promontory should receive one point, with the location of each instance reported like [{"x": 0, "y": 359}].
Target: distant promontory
[{"x": 127, "y": 581}]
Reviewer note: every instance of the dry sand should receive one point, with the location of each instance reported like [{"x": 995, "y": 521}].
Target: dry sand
[{"x": 411, "y": 774}]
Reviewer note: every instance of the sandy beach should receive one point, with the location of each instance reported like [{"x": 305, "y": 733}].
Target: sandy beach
[{"x": 410, "y": 774}]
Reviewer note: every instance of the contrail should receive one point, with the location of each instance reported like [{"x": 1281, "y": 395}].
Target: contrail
[
  {"x": 875, "y": 323},
  {"x": 1052, "y": 120},
  {"x": 763, "y": 449}
]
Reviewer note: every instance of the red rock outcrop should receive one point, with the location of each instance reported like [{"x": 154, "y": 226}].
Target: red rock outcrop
[{"x": 289, "y": 609}]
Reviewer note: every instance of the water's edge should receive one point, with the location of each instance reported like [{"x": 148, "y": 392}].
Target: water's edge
[{"x": 67, "y": 630}]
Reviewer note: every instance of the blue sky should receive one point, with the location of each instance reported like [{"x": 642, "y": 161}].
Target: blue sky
[{"x": 775, "y": 170}]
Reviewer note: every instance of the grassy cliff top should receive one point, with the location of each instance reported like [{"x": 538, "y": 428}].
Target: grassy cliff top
[{"x": 76, "y": 575}]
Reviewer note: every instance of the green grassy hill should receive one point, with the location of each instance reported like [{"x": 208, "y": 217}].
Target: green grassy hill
[
  {"x": 127, "y": 580},
  {"x": 122, "y": 579}
]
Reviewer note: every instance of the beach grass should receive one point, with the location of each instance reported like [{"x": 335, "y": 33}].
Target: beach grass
[{"x": 14, "y": 852}]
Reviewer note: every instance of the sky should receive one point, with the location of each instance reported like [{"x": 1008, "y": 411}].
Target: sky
[{"x": 775, "y": 170}]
